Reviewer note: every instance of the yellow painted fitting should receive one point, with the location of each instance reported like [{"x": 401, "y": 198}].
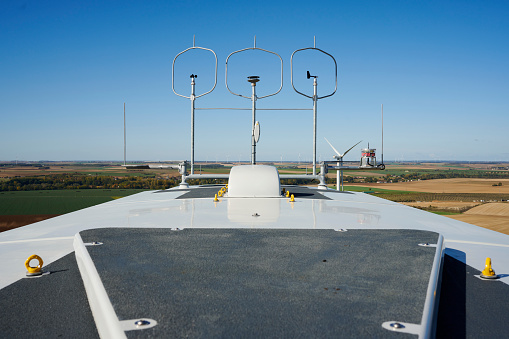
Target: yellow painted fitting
[
  {"x": 220, "y": 193},
  {"x": 223, "y": 189},
  {"x": 226, "y": 186},
  {"x": 292, "y": 199},
  {"x": 287, "y": 194},
  {"x": 488, "y": 271},
  {"x": 215, "y": 198},
  {"x": 31, "y": 269}
]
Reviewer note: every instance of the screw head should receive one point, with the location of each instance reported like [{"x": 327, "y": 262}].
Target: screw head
[
  {"x": 142, "y": 322},
  {"x": 397, "y": 325}
]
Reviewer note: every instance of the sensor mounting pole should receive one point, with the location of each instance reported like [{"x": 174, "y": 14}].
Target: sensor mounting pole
[
  {"x": 315, "y": 101},
  {"x": 315, "y": 96},
  {"x": 192, "y": 98},
  {"x": 193, "y": 95},
  {"x": 253, "y": 80}
]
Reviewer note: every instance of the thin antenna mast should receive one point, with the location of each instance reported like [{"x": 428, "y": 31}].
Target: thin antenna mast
[{"x": 124, "y": 136}]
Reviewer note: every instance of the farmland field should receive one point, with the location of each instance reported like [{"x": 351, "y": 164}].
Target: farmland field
[
  {"x": 494, "y": 216},
  {"x": 456, "y": 185},
  {"x": 55, "y": 202},
  {"x": 451, "y": 206},
  {"x": 65, "y": 168},
  {"x": 25, "y": 207}
]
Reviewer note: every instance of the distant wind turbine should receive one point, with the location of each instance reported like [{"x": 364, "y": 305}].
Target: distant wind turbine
[{"x": 339, "y": 157}]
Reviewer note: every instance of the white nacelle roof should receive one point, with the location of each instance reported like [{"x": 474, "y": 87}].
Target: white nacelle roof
[{"x": 254, "y": 181}]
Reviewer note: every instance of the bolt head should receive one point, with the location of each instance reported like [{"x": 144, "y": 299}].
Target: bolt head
[
  {"x": 397, "y": 325},
  {"x": 142, "y": 323}
]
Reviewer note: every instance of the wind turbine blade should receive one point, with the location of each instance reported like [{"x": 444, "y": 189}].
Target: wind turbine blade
[
  {"x": 352, "y": 147},
  {"x": 335, "y": 150}
]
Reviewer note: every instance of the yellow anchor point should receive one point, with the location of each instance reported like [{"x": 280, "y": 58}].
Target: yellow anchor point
[
  {"x": 488, "y": 272},
  {"x": 215, "y": 198},
  {"x": 287, "y": 194},
  {"x": 34, "y": 270},
  {"x": 220, "y": 193},
  {"x": 292, "y": 198}
]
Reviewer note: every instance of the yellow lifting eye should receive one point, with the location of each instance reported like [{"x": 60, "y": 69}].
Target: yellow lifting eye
[
  {"x": 31, "y": 269},
  {"x": 292, "y": 198},
  {"x": 287, "y": 194}
]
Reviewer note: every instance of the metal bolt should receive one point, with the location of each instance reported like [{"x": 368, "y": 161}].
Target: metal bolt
[
  {"x": 256, "y": 215},
  {"x": 142, "y": 322},
  {"x": 397, "y": 325}
]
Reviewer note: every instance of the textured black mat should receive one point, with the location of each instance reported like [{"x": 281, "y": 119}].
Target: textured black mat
[
  {"x": 51, "y": 306},
  {"x": 264, "y": 283},
  {"x": 471, "y": 307}
]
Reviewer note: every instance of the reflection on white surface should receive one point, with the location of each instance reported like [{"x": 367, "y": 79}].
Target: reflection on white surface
[
  {"x": 253, "y": 211},
  {"x": 364, "y": 216}
]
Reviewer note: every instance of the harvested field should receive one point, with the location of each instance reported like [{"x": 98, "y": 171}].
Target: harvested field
[
  {"x": 450, "y": 206},
  {"x": 493, "y": 216},
  {"x": 494, "y": 223},
  {"x": 496, "y": 209},
  {"x": 28, "y": 171},
  {"x": 455, "y": 185}
]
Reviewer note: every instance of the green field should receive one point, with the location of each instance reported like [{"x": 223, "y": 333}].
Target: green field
[
  {"x": 444, "y": 213},
  {"x": 56, "y": 201}
]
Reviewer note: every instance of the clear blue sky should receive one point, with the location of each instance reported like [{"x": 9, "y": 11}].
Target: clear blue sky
[{"x": 441, "y": 69}]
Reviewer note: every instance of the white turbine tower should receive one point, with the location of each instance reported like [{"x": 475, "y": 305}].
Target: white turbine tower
[{"x": 339, "y": 157}]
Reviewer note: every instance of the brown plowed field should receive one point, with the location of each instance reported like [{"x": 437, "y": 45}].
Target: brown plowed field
[
  {"x": 8, "y": 222},
  {"x": 456, "y": 185}
]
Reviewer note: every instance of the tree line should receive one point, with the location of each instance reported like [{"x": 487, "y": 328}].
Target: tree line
[
  {"x": 77, "y": 181},
  {"x": 80, "y": 181}
]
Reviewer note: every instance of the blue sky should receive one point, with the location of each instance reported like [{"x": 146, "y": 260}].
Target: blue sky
[{"x": 439, "y": 67}]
